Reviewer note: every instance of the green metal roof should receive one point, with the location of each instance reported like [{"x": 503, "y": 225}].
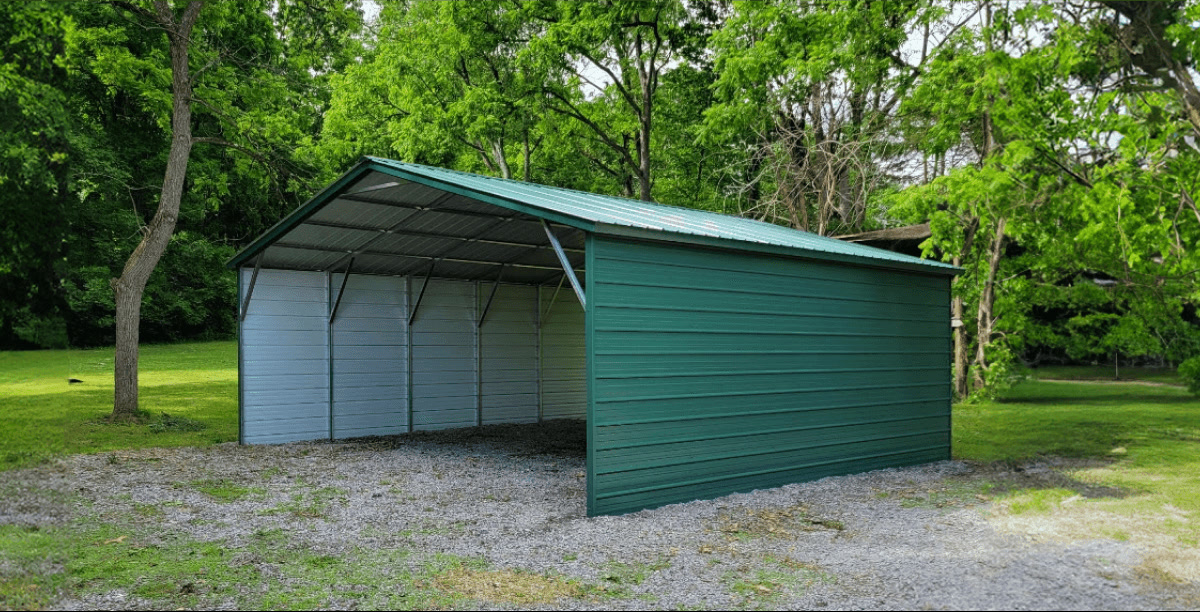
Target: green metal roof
[{"x": 608, "y": 215}]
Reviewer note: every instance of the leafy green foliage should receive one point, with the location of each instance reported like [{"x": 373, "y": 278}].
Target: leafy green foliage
[
  {"x": 1189, "y": 370},
  {"x": 809, "y": 91},
  {"x": 94, "y": 82},
  {"x": 1032, "y": 131}
]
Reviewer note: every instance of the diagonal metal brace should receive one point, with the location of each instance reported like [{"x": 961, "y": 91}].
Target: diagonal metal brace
[
  {"x": 566, "y": 264},
  {"x": 546, "y": 315},
  {"x": 341, "y": 291},
  {"x": 412, "y": 316},
  {"x": 492, "y": 296},
  {"x": 250, "y": 289}
]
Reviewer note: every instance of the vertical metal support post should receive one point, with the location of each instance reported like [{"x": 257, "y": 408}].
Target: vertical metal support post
[
  {"x": 478, "y": 363},
  {"x": 333, "y": 307},
  {"x": 589, "y": 346},
  {"x": 250, "y": 289},
  {"x": 241, "y": 357},
  {"x": 537, "y": 321},
  {"x": 408, "y": 346},
  {"x": 329, "y": 346},
  {"x": 566, "y": 264}
]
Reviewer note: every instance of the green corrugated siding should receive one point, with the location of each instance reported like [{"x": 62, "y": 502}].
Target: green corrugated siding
[{"x": 716, "y": 372}]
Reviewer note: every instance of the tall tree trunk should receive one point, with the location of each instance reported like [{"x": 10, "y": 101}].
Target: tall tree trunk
[
  {"x": 501, "y": 159},
  {"x": 961, "y": 385},
  {"x": 647, "y": 73},
  {"x": 643, "y": 143},
  {"x": 525, "y": 166},
  {"x": 987, "y": 299},
  {"x": 129, "y": 287}
]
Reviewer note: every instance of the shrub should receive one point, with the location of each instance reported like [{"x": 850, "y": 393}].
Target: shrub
[
  {"x": 167, "y": 423},
  {"x": 1189, "y": 370}
]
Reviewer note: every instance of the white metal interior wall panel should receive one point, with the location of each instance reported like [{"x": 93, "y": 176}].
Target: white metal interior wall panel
[
  {"x": 508, "y": 355},
  {"x": 284, "y": 340},
  {"x": 564, "y": 358},
  {"x": 443, "y": 353},
  {"x": 370, "y": 370}
]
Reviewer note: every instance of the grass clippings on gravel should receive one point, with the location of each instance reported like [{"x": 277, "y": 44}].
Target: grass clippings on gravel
[
  {"x": 781, "y": 576},
  {"x": 746, "y": 523},
  {"x": 225, "y": 490},
  {"x": 506, "y": 586}
]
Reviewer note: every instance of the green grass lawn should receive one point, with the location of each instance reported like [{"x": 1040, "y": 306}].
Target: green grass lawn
[{"x": 196, "y": 383}]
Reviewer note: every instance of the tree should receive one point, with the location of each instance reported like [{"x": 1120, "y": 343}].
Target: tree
[
  {"x": 252, "y": 96},
  {"x": 129, "y": 287},
  {"x": 440, "y": 82},
  {"x": 974, "y": 101},
  {"x": 810, "y": 90},
  {"x": 1061, "y": 218},
  {"x": 601, "y": 65},
  {"x": 38, "y": 134}
]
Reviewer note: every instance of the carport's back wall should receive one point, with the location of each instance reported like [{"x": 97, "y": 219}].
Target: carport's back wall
[{"x": 369, "y": 373}]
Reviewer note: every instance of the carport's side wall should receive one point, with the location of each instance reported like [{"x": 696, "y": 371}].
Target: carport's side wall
[
  {"x": 717, "y": 372},
  {"x": 458, "y": 375}
]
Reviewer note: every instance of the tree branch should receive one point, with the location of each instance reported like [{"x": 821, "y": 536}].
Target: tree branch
[
  {"x": 1074, "y": 175},
  {"x": 574, "y": 112},
  {"x": 629, "y": 99}
]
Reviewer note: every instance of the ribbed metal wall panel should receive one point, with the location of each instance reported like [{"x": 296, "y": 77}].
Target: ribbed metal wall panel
[
  {"x": 461, "y": 374},
  {"x": 369, "y": 356},
  {"x": 716, "y": 372},
  {"x": 284, "y": 372},
  {"x": 508, "y": 355},
  {"x": 444, "y": 367},
  {"x": 564, "y": 359}
]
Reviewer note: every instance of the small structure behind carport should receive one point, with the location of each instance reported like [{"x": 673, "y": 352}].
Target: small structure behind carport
[{"x": 709, "y": 354}]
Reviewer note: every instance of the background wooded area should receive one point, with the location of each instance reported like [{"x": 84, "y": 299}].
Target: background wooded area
[{"x": 1053, "y": 148}]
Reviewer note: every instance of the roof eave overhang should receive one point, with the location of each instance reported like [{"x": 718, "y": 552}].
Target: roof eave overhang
[
  {"x": 621, "y": 231},
  {"x": 366, "y": 165}
]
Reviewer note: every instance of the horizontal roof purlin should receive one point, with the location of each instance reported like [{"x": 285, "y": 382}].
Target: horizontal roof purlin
[{"x": 615, "y": 216}]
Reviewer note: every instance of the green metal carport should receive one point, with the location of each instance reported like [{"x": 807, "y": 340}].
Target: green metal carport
[{"x": 722, "y": 354}]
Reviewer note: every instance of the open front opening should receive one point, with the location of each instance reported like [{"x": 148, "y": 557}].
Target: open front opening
[{"x": 398, "y": 308}]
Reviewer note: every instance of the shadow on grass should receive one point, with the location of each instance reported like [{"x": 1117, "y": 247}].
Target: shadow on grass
[
  {"x": 1099, "y": 398},
  {"x": 1051, "y": 473},
  {"x": 1151, "y": 429}
]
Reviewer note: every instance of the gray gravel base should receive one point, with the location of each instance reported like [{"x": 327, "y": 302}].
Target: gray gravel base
[{"x": 515, "y": 495}]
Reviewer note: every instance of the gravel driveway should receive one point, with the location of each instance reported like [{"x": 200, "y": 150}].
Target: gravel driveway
[{"x": 515, "y": 495}]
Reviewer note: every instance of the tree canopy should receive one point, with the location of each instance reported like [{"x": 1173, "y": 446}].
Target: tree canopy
[{"x": 1052, "y": 148}]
